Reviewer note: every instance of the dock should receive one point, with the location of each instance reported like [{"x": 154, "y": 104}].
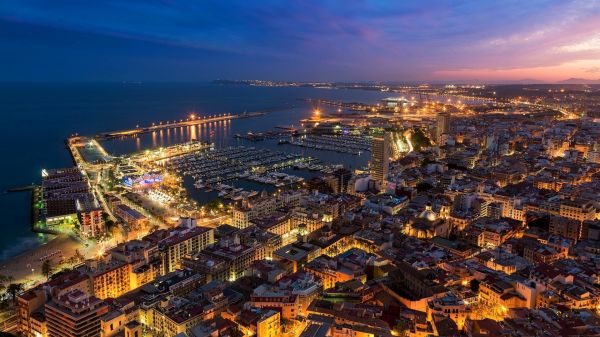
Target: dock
[
  {"x": 21, "y": 188},
  {"x": 175, "y": 124}
]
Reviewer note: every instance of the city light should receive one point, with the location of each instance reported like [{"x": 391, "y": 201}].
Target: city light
[{"x": 407, "y": 182}]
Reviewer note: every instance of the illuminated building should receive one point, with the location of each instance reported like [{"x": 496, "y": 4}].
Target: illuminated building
[
  {"x": 176, "y": 317},
  {"x": 29, "y": 308},
  {"x": 321, "y": 203},
  {"x": 310, "y": 220},
  {"x": 348, "y": 319},
  {"x": 241, "y": 217},
  {"x": 39, "y": 324},
  {"x": 395, "y": 102},
  {"x": 143, "y": 181},
  {"x": 133, "y": 329},
  {"x": 450, "y": 306},
  {"x": 30, "y": 304},
  {"x": 428, "y": 225},
  {"x": 112, "y": 323},
  {"x": 212, "y": 267},
  {"x": 183, "y": 241},
  {"x": 60, "y": 190},
  {"x": 540, "y": 253},
  {"x": 291, "y": 295},
  {"x": 259, "y": 322},
  {"x": 89, "y": 213},
  {"x": 387, "y": 204},
  {"x": 75, "y": 314},
  {"x": 237, "y": 256},
  {"x": 484, "y": 327},
  {"x": 266, "y": 296},
  {"x": 297, "y": 254},
  {"x": 380, "y": 158},
  {"x": 333, "y": 270},
  {"x": 500, "y": 295},
  {"x": 188, "y": 308},
  {"x": 270, "y": 241},
  {"x": 577, "y": 209},
  {"x": 267, "y": 270},
  {"x": 133, "y": 218},
  {"x": 443, "y": 125},
  {"x": 289, "y": 198},
  {"x": 493, "y": 233},
  {"x": 416, "y": 286},
  {"x": 269, "y": 325},
  {"x": 108, "y": 278},
  {"x": 278, "y": 223},
  {"x": 350, "y": 291},
  {"x": 342, "y": 176},
  {"x": 253, "y": 208}
]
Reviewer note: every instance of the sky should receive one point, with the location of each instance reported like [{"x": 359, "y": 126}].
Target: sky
[{"x": 321, "y": 40}]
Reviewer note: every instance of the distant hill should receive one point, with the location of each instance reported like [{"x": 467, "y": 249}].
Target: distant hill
[{"x": 579, "y": 81}]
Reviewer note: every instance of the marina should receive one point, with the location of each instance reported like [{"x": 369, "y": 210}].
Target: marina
[
  {"x": 205, "y": 100},
  {"x": 339, "y": 143},
  {"x": 277, "y": 179},
  {"x": 215, "y": 166}
]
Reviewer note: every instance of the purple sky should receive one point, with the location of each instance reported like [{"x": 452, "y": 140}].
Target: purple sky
[{"x": 347, "y": 40}]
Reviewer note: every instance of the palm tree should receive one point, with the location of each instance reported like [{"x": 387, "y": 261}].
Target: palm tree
[
  {"x": 46, "y": 269},
  {"x": 79, "y": 256},
  {"x": 13, "y": 289}
]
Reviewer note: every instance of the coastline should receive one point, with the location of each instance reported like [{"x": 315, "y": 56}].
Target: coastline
[{"x": 20, "y": 266}]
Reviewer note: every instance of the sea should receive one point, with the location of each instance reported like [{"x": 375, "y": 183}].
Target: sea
[{"x": 37, "y": 117}]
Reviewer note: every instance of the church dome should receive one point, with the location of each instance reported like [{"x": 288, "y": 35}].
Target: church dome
[{"x": 428, "y": 213}]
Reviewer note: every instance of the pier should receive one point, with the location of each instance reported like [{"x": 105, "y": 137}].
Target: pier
[
  {"x": 171, "y": 125},
  {"x": 21, "y": 188}
]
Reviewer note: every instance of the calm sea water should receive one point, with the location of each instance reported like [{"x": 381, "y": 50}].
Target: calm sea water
[{"x": 36, "y": 118}]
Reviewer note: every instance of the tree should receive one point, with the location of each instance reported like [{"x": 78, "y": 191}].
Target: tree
[
  {"x": 79, "y": 256},
  {"x": 4, "y": 280},
  {"x": 213, "y": 205},
  {"x": 13, "y": 289},
  {"x": 419, "y": 139},
  {"x": 46, "y": 269}
]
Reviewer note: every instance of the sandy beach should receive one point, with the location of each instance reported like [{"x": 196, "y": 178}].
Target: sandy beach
[{"x": 27, "y": 267}]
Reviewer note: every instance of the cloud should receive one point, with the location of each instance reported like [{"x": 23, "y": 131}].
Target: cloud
[
  {"x": 590, "y": 44},
  {"x": 332, "y": 39},
  {"x": 592, "y": 70}
]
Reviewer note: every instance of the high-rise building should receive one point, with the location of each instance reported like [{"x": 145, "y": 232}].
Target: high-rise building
[
  {"x": 75, "y": 314},
  {"x": 183, "y": 241},
  {"x": 443, "y": 125},
  {"x": 380, "y": 158},
  {"x": 342, "y": 177},
  {"x": 89, "y": 213}
]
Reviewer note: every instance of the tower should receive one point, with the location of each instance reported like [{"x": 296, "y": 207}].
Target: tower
[
  {"x": 442, "y": 125},
  {"x": 380, "y": 158}
]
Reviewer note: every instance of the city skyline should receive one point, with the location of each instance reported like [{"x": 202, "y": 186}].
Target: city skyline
[
  {"x": 545, "y": 41},
  {"x": 300, "y": 169}
]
